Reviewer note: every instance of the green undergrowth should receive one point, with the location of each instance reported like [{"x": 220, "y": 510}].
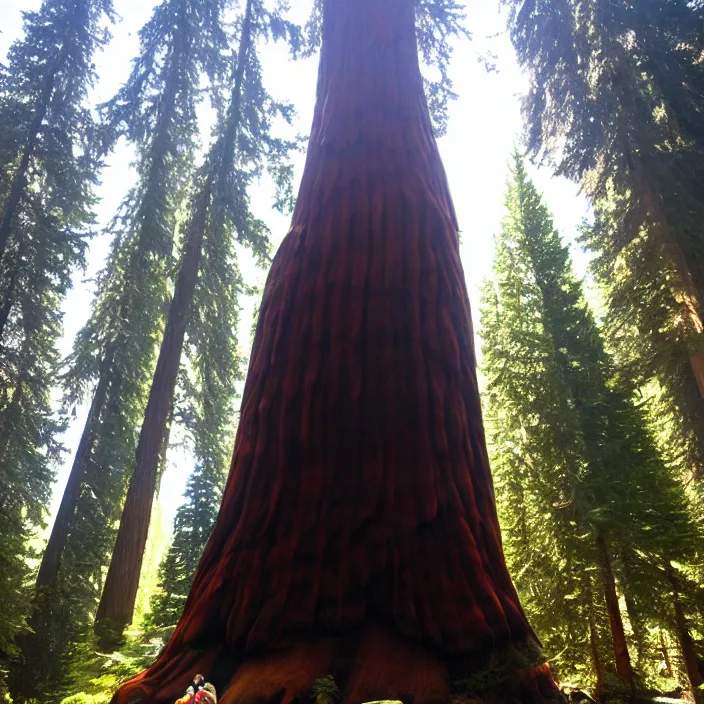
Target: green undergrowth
[{"x": 97, "y": 677}]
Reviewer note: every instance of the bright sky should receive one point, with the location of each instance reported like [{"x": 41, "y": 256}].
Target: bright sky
[{"x": 485, "y": 123}]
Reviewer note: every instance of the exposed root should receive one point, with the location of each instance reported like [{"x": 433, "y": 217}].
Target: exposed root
[
  {"x": 167, "y": 679},
  {"x": 371, "y": 666},
  {"x": 281, "y": 677},
  {"x": 388, "y": 667}
]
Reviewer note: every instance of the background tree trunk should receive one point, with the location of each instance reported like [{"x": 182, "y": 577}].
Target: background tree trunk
[
  {"x": 117, "y": 601},
  {"x": 51, "y": 558},
  {"x": 19, "y": 179},
  {"x": 618, "y": 633},
  {"x": 596, "y": 658},
  {"x": 689, "y": 653}
]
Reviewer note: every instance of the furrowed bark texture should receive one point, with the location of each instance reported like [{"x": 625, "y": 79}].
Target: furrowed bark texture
[{"x": 358, "y": 524}]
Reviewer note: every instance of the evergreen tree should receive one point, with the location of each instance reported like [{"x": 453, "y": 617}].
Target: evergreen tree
[
  {"x": 586, "y": 498},
  {"x": 205, "y": 302},
  {"x": 616, "y": 97},
  {"x": 637, "y": 285},
  {"x": 115, "y": 351},
  {"x": 48, "y": 170}
]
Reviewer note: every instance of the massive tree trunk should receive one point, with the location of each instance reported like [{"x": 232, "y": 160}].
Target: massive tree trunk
[
  {"x": 358, "y": 534},
  {"x": 618, "y": 633},
  {"x": 117, "y": 601}
]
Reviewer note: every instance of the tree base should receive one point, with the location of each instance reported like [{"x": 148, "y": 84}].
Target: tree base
[{"x": 372, "y": 665}]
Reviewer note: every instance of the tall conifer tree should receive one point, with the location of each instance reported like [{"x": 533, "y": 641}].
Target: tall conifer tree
[
  {"x": 582, "y": 487},
  {"x": 48, "y": 169},
  {"x": 616, "y": 100},
  {"x": 206, "y": 297},
  {"x": 114, "y": 354}
]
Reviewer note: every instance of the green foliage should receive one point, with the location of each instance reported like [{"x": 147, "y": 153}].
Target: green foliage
[
  {"x": 325, "y": 691},
  {"x": 213, "y": 362},
  {"x": 638, "y": 286},
  {"x": 97, "y": 677},
  {"x": 437, "y": 22},
  {"x": 156, "y": 110},
  {"x": 572, "y": 454},
  {"x": 48, "y": 170},
  {"x": 616, "y": 98},
  {"x": 192, "y": 526}
]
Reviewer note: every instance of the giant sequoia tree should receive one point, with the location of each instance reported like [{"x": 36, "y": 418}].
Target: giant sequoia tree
[
  {"x": 616, "y": 98},
  {"x": 358, "y": 533}
]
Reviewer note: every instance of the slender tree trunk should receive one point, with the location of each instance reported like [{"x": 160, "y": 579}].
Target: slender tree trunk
[
  {"x": 618, "y": 633},
  {"x": 9, "y": 412},
  {"x": 697, "y": 363},
  {"x": 669, "y": 672},
  {"x": 596, "y": 658},
  {"x": 117, "y": 602},
  {"x": 690, "y": 296},
  {"x": 639, "y": 629},
  {"x": 162, "y": 142},
  {"x": 164, "y": 450},
  {"x": 689, "y": 653},
  {"x": 8, "y": 300},
  {"x": 51, "y": 559}
]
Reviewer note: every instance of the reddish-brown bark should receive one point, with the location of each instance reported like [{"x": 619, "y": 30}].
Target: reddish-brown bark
[
  {"x": 358, "y": 533},
  {"x": 117, "y": 602},
  {"x": 697, "y": 362},
  {"x": 689, "y": 651},
  {"x": 624, "y": 668}
]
